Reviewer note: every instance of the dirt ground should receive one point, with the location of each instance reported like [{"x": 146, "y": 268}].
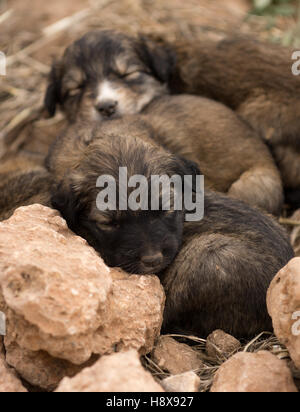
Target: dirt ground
[{"x": 34, "y": 33}]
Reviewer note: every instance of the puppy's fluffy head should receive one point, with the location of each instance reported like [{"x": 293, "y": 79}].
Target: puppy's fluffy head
[
  {"x": 107, "y": 74},
  {"x": 141, "y": 241}
]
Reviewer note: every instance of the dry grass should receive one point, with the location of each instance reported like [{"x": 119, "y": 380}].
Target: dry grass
[{"x": 263, "y": 342}]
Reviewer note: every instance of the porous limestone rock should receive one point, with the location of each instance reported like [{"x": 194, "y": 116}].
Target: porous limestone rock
[
  {"x": 120, "y": 372},
  {"x": 283, "y": 302},
  {"x": 40, "y": 369},
  {"x": 254, "y": 372},
  {"x": 186, "y": 382},
  {"x": 174, "y": 357},
  {"x": 9, "y": 382},
  {"x": 60, "y": 298},
  {"x": 220, "y": 345}
]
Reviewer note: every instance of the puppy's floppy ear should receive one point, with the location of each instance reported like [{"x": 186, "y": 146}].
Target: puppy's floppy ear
[
  {"x": 161, "y": 59},
  {"x": 66, "y": 201},
  {"x": 53, "y": 93},
  {"x": 189, "y": 168}
]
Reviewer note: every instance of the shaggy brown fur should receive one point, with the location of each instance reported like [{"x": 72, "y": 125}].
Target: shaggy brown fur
[
  {"x": 22, "y": 183},
  {"x": 187, "y": 126},
  {"x": 254, "y": 79},
  {"x": 230, "y": 154},
  {"x": 137, "y": 241},
  {"x": 106, "y": 64},
  {"x": 219, "y": 278},
  {"x": 107, "y": 74}
]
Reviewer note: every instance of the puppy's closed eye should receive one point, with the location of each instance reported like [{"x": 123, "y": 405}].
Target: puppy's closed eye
[
  {"x": 107, "y": 224},
  {"x": 133, "y": 75},
  {"x": 73, "y": 84},
  {"x": 136, "y": 70},
  {"x": 75, "y": 91},
  {"x": 106, "y": 227}
]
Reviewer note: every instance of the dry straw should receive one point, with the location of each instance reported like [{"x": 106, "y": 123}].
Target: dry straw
[{"x": 263, "y": 342}]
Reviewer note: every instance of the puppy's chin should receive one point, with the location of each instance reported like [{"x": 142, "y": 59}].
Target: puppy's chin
[
  {"x": 154, "y": 271},
  {"x": 98, "y": 118},
  {"x": 148, "y": 271},
  {"x": 136, "y": 268},
  {"x": 125, "y": 111},
  {"x": 144, "y": 270}
]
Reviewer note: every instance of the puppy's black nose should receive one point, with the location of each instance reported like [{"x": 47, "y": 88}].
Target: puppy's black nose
[
  {"x": 107, "y": 108},
  {"x": 153, "y": 261}
]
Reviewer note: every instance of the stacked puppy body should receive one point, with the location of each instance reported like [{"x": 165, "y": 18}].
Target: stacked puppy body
[
  {"x": 23, "y": 182},
  {"x": 255, "y": 79},
  {"x": 216, "y": 271},
  {"x": 106, "y": 75}
]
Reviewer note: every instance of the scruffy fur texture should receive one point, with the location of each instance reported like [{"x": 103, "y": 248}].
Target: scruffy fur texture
[
  {"x": 221, "y": 275},
  {"x": 22, "y": 183},
  {"x": 107, "y": 74},
  {"x": 232, "y": 157},
  {"x": 137, "y": 241},
  {"x": 107, "y": 66},
  {"x": 218, "y": 277},
  {"x": 255, "y": 79}
]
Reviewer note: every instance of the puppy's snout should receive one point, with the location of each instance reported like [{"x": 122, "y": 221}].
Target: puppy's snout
[
  {"x": 153, "y": 260},
  {"x": 107, "y": 108}
]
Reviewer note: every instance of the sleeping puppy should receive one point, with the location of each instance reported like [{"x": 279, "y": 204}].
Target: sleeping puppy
[
  {"x": 233, "y": 158},
  {"x": 107, "y": 74},
  {"x": 138, "y": 241},
  {"x": 221, "y": 275},
  {"x": 254, "y": 79},
  {"x": 107, "y": 66},
  {"x": 23, "y": 183},
  {"x": 218, "y": 279}
]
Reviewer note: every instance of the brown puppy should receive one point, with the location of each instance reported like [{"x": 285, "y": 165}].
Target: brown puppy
[
  {"x": 139, "y": 241},
  {"x": 22, "y": 183},
  {"x": 107, "y": 74},
  {"x": 219, "y": 278},
  {"x": 231, "y": 156},
  {"x": 256, "y": 80},
  {"x": 106, "y": 65},
  {"x": 221, "y": 275}
]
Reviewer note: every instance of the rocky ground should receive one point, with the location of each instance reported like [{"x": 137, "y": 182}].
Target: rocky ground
[{"x": 73, "y": 324}]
